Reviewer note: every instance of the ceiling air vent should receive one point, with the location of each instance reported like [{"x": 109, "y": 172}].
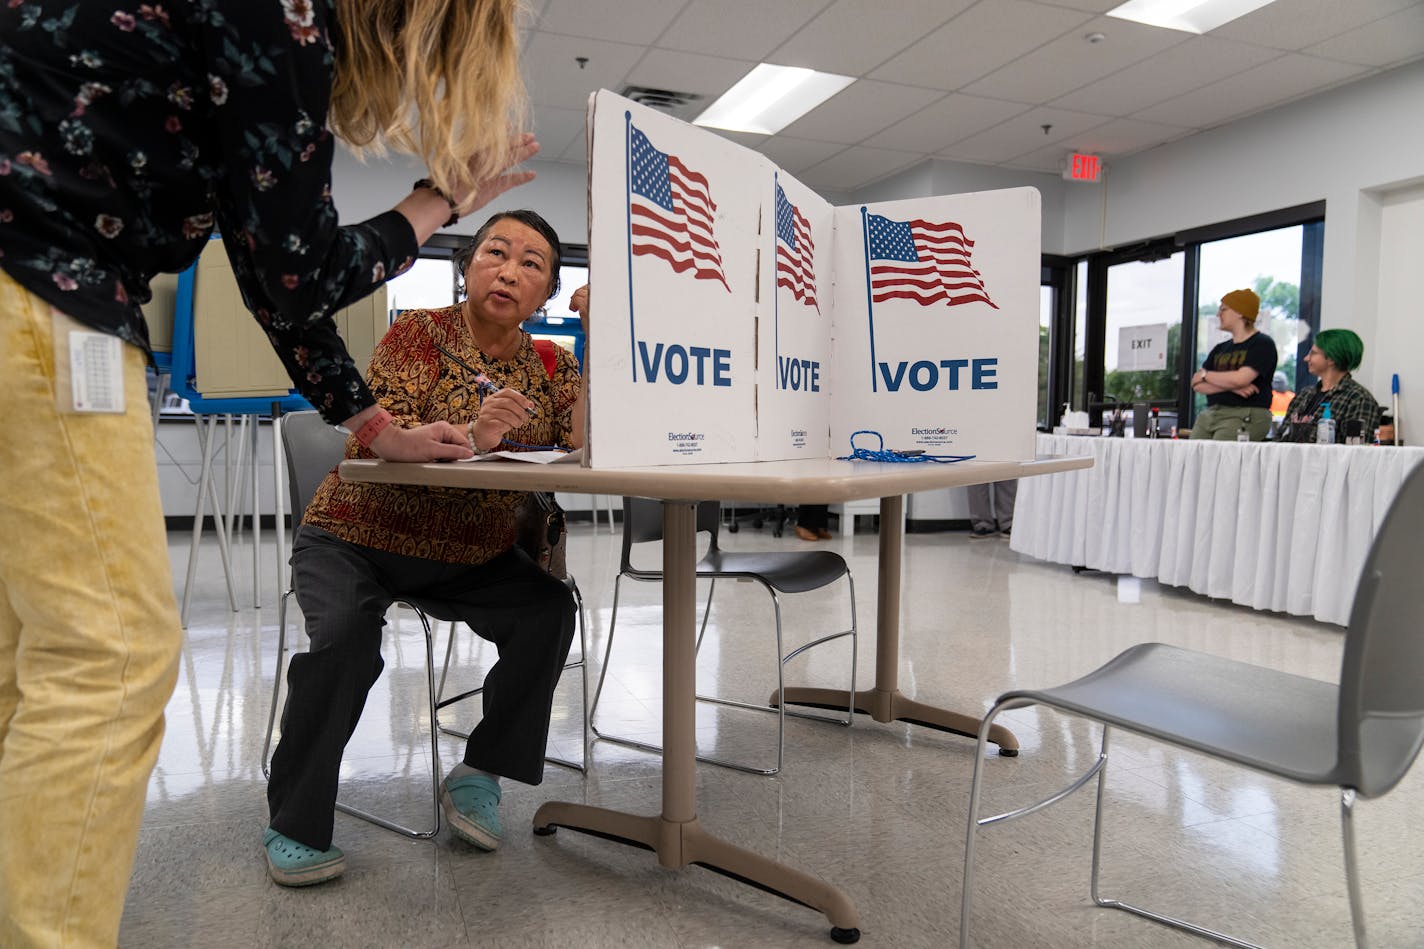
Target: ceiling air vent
[{"x": 683, "y": 105}]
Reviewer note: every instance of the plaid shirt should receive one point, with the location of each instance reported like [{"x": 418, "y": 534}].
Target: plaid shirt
[{"x": 1348, "y": 400}]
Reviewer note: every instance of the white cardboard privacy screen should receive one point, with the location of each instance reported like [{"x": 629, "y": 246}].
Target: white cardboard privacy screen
[
  {"x": 738, "y": 316},
  {"x": 794, "y": 322},
  {"x": 673, "y": 222},
  {"x": 939, "y": 350}
]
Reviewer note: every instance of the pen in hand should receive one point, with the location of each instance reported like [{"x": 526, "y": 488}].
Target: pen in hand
[{"x": 487, "y": 387}]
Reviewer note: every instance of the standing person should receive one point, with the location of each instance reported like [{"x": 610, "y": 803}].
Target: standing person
[
  {"x": 127, "y": 132},
  {"x": 812, "y": 522},
  {"x": 991, "y": 509},
  {"x": 1281, "y": 394},
  {"x": 361, "y": 545},
  {"x": 1234, "y": 374},
  {"x": 1331, "y": 358}
]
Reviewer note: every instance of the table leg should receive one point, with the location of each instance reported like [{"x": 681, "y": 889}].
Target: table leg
[
  {"x": 676, "y": 836},
  {"x": 884, "y": 703}
]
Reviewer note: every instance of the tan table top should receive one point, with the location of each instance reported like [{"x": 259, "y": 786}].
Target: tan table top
[{"x": 808, "y": 481}]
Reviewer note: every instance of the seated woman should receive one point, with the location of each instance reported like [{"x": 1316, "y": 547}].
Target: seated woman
[
  {"x": 1330, "y": 360},
  {"x": 359, "y": 545},
  {"x": 1233, "y": 378}
]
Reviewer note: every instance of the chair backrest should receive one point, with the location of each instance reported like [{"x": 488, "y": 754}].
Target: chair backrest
[
  {"x": 1382, "y": 675},
  {"x": 312, "y": 448},
  {"x": 643, "y": 522}
]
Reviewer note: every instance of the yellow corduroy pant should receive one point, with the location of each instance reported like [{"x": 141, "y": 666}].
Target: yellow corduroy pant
[{"x": 89, "y": 641}]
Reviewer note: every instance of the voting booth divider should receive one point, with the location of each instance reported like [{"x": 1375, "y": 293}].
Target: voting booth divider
[
  {"x": 212, "y": 352},
  {"x": 741, "y": 317}
]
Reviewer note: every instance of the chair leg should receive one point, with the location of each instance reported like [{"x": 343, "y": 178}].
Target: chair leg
[
  {"x": 434, "y": 751},
  {"x": 581, "y": 664},
  {"x": 975, "y": 821},
  {"x": 1156, "y": 917},
  {"x": 1352, "y": 867},
  {"x": 607, "y": 653},
  {"x": 583, "y": 669},
  {"x": 976, "y": 784},
  {"x": 276, "y": 680},
  {"x": 706, "y": 613},
  {"x": 206, "y": 492}
]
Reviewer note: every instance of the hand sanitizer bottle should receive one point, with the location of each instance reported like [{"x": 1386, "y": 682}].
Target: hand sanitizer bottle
[{"x": 1325, "y": 428}]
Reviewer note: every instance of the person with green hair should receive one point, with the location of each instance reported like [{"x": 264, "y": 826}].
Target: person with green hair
[{"x": 1331, "y": 358}]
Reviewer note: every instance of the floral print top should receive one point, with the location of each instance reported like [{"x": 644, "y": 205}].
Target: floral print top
[
  {"x": 129, "y": 130},
  {"x": 422, "y": 371}
]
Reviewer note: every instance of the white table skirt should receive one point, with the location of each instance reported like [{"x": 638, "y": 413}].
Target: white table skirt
[{"x": 1272, "y": 527}]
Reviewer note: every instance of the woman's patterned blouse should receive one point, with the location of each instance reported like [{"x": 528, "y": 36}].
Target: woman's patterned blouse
[
  {"x": 129, "y": 130},
  {"x": 422, "y": 371}
]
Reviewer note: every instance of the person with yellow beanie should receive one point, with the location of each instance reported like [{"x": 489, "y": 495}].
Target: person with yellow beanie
[{"x": 1234, "y": 377}]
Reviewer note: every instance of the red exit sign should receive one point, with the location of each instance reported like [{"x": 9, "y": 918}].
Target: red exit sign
[{"x": 1083, "y": 168}]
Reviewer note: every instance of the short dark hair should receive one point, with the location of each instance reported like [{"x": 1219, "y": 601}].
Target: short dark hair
[{"x": 530, "y": 219}]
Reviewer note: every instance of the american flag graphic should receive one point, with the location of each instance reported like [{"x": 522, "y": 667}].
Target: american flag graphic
[
  {"x": 922, "y": 261},
  {"x": 671, "y": 212},
  {"x": 795, "y": 253}
]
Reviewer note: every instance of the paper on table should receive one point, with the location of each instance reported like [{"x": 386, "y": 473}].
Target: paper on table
[{"x": 534, "y": 457}]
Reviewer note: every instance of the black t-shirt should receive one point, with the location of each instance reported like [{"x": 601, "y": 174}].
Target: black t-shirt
[{"x": 1258, "y": 352}]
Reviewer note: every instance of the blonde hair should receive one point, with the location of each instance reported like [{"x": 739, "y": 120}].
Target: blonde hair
[{"x": 438, "y": 79}]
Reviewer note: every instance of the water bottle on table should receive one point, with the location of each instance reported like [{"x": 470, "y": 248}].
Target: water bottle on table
[{"x": 1325, "y": 428}]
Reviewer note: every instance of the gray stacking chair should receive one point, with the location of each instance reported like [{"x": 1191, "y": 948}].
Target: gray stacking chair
[
  {"x": 1361, "y": 736},
  {"x": 313, "y": 448},
  {"x": 576, "y": 662},
  {"x": 778, "y": 572}
]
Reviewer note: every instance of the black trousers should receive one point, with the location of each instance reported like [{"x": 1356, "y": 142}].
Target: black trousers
[
  {"x": 813, "y": 516},
  {"x": 344, "y": 591}
]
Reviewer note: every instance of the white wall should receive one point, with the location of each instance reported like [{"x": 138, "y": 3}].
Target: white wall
[
  {"x": 362, "y": 190},
  {"x": 1349, "y": 147},
  {"x": 1399, "y": 324},
  {"x": 947, "y": 177}
]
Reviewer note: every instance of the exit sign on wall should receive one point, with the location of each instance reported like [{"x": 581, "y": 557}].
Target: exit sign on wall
[{"x": 1083, "y": 168}]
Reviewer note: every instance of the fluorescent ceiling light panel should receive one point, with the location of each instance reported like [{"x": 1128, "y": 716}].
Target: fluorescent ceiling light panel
[
  {"x": 1191, "y": 16},
  {"x": 769, "y": 98}
]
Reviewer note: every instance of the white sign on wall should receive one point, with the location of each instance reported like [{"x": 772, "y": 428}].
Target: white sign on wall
[{"x": 1142, "y": 347}]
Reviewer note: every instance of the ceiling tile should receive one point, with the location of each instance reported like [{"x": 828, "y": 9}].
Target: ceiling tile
[
  {"x": 1090, "y": 6},
  {"x": 857, "y": 166},
  {"x": 977, "y": 42},
  {"x": 860, "y": 110},
  {"x": 1173, "y": 72},
  {"x": 949, "y": 120},
  {"x": 708, "y": 76},
  {"x": 1296, "y": 24},
  {"x": 1050, "y": 160},
  {"x": 1122, "y": 137},
  {"x": 797, "y": 154},
  {"x": 1022, "y": 134},
  {"x": 852, "y": 37},
  {"x": 1287, "y": 77},
  {"x": 1071, "y": 61},
  {"x": 558, "y": 131},
  {"x": 720, "y": 27},
  {"x": 627, "y": 21},
  {"x": 554, "y": 78},
  {"x": 1389, "y": 41},
  {"x": 959, "y": 79}
]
